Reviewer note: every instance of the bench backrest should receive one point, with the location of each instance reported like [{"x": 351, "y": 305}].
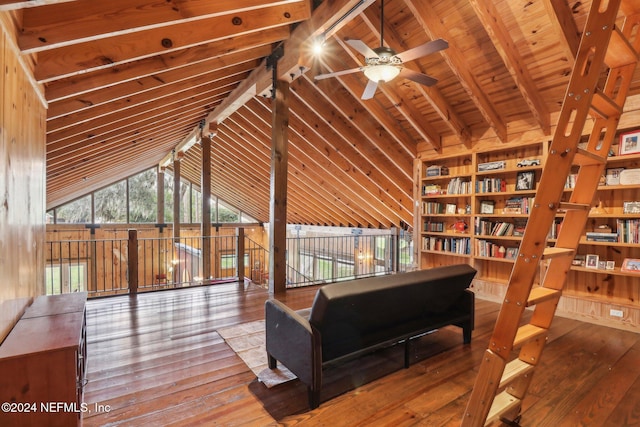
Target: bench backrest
[{"x": 347, "y": 312}]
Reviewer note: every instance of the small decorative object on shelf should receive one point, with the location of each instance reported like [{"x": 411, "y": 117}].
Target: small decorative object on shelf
[
  {"x": 490, "y": 166},
  {"x": 451, "y": 208},
  {"x": 631, "y": 207},
  {"x": 512, "y": 253},
  {"x": 579, "y": 261},
  {"x": 598, "y": 210},
  {"x": 459, "y": 226},
  {"x": 629, "y": 143},
  {"x": 528, "y": 162},
  {"x": 486, "y": 206},
  {"x": 436, "y": 170},
  {"x": 525, "y": 180},
  {"x": 631, "y": 265},
  {"x": 630, "y": 177},
  {"x": 592, "y": 261},
  {"x": 611, "y": 265},
  {"x": 613, "y": 176}
]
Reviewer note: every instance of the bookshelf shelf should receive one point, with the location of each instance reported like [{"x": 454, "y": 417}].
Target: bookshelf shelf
[{"x": 488, "y": 209}]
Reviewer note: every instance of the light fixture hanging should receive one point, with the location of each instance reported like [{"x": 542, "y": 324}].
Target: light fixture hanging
[{"x": 382, "y": 73}]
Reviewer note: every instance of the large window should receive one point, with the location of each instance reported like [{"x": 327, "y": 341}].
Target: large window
[
  {"x": 135, "y": 200},
  {"x": 111, "y": 204},
  {"x": 143, "y": 197},
  {"x": 76, "y": 212}
]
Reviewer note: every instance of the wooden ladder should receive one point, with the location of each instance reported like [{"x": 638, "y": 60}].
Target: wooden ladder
[{"x": 607, "y": 54}]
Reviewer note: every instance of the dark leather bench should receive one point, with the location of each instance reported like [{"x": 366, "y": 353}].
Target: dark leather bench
[{"x": 350, "y": 318}]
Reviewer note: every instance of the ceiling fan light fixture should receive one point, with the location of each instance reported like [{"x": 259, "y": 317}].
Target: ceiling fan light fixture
[{"x": 382, "y": 73}]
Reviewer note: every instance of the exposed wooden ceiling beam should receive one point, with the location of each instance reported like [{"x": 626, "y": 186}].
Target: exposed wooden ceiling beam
[
  {"x": 353, "y": 84},
  {"x": 306, "y": 163},
  {"x": 172, "y": 81},
  {"x": 351, "y": 122},
  {"x": 504, "y": 44},
  {"x": 106, "y": 53},
  {"x": 327, "y": 18},
  {"x": 131, "y": 71},
  {"x": 433, "y": 27},
  {"x": 24, "y": 4},
  {"x": 446, "y": 112},
  {"x": 561, "y": 18},
  {"x": 58, "y": 25},
  {"x": 201, "y": 96},
  {"x": 317, "y": 110}
]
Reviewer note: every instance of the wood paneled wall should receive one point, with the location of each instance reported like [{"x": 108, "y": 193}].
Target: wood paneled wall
[{"x": 22, "y": 182}]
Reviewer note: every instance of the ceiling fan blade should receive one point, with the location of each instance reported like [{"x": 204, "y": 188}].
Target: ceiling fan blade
[
  {"x": 423, "y": 50},
  {"x": 370, "y": 90},
  {"x": 361, "y": 47},
  {"x": 338, "y": 73},
  {"x": 423, "y": 79}
]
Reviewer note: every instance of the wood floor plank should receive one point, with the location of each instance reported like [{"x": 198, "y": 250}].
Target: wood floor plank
[{"x": 157, "y": 359}]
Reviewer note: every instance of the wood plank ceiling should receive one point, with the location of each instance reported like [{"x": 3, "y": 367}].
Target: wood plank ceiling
[{"x": 127, "y": 80}]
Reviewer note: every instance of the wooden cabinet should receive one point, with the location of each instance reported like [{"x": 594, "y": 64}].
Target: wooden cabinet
[
  {"x": 504, "y": 181},
  {"x": 42, "y": 364}
]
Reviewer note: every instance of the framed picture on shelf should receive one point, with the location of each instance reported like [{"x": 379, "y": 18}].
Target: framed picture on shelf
[
  {"x": 631, "y": 207},
  {"x": 525, "y": 180},
  {"x": 629, "y": 143},
  {"x": 611, "y": 265},
  {"x": 631, "y": 265},
  {"x": 511, "y": 253},
  {"x": 486, "y": 206},
  {"x": 451, "y": 208},
  {"x": 591, "y": 261}
]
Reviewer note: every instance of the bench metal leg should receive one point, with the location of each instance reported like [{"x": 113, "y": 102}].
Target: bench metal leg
[
  {"x": 273, "y": 363},
  {"x": 407, "y": 353}
]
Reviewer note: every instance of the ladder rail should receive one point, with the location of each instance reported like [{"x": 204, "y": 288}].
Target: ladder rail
[{"x": 602, "y": 45}]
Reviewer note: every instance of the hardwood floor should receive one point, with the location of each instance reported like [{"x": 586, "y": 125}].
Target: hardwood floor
[{"x": 156, "y": 359}]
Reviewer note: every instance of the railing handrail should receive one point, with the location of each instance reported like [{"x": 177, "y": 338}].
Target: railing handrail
[{"x": 310, "y": 260}]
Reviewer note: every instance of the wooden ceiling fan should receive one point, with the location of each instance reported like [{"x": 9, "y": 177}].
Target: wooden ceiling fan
[{"x": 383, "y": 64}]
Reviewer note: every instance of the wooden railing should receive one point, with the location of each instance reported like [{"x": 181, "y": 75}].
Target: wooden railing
[{"x": 103, "y": 267}]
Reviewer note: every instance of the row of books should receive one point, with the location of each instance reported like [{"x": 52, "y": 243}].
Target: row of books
[
  {"x": 491, "y": 185},
  {"x": 628, "y": 230},
  {"x": 459, "y": 186},
  {"x": 459, "y": 245},
  {"x": 437, "y": 227},
  {"x": 485, "y": 248},
  {"x": 518, "y": 205},
  {"x": 433, "y": 208},
  {"x": 490, "y": 228},
  {"x": 431, "y": 190}
]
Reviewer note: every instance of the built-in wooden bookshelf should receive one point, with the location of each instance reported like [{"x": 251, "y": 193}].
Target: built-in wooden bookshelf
[{"x": 503, "y": 183}]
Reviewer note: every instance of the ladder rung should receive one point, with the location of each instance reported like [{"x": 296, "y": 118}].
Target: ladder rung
[
  {"x": 604, "y": 107},
  {"x": 554, "y": 252},
  {"x": 513, "y": 370},
  {"x": 630, "y": 7},
  {"x": 502, "y": 403},
  {"x": 541, "y": 294},
  {"x": 566, "y": 206},
  {"x": 584, "y": 158},
  {"x": 527, "y": 333},
  {"x": 620, "y": 52}
]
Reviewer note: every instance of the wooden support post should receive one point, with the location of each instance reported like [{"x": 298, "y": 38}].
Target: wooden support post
[
  {"x": 240, "y": 254},
  {"x": 160, "y": 195},
  {"x": 176, "y": 199},
  {"x": 206, "y": 207},
  {"x": 278, "y": 201},
  {"x": 133, "y": 261},
  {"x": 93, "y": 281}
]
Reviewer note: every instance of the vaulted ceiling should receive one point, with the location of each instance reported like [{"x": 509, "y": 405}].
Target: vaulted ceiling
[{"x": 127, "y": 81}]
